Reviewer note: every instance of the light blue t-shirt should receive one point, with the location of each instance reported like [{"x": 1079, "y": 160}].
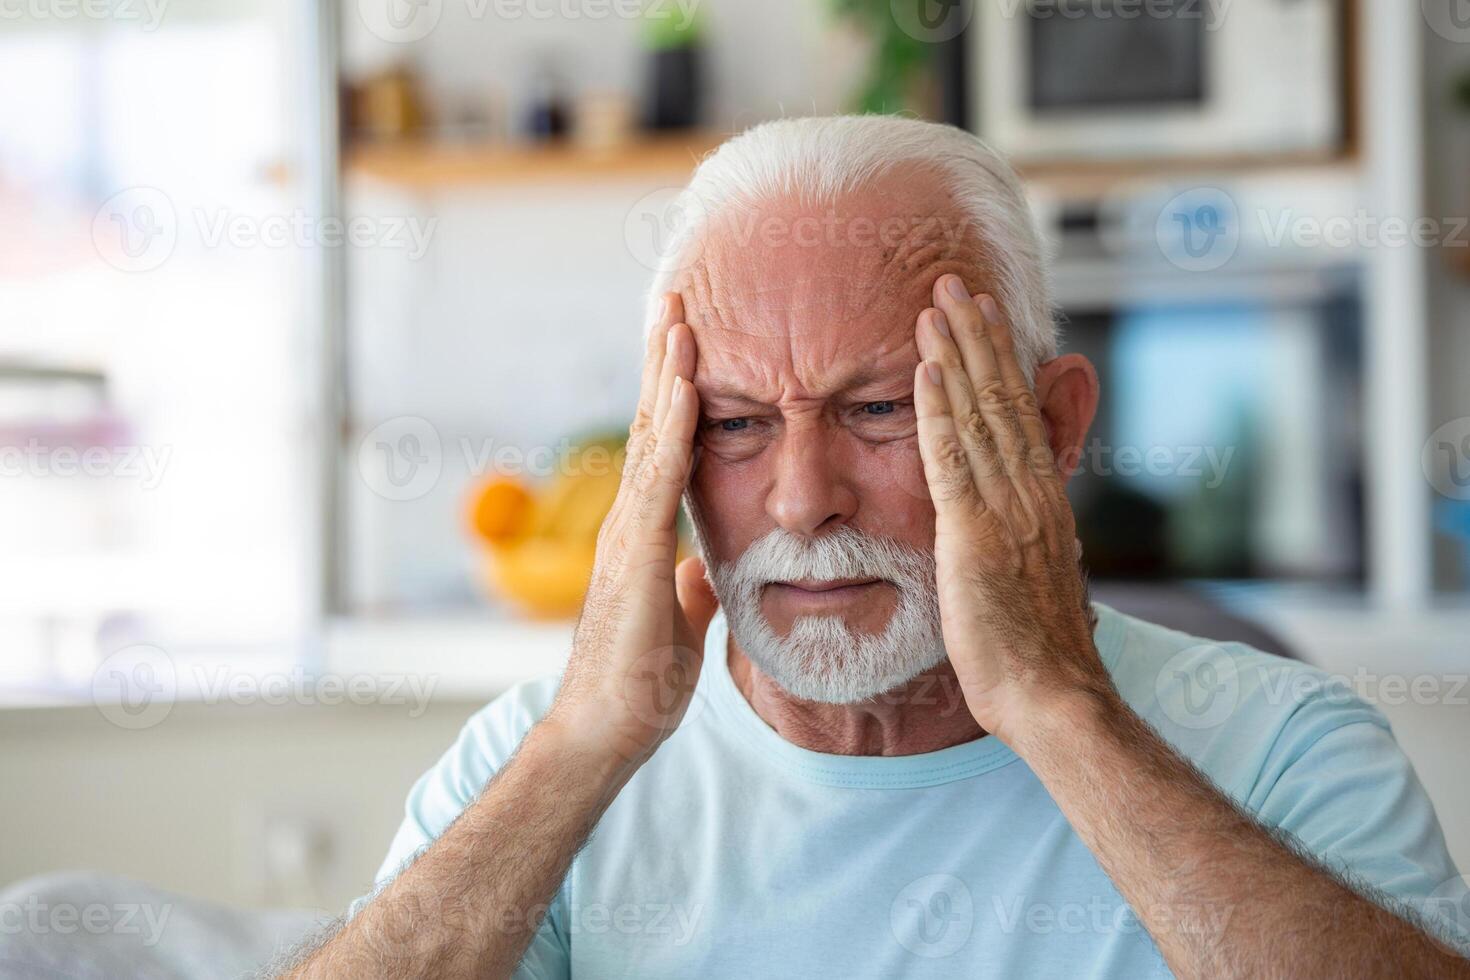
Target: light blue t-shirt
[{"x": 734, "y": 853}]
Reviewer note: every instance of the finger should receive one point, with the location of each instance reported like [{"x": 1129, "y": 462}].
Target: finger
[
  {"x": 671, "y": 312},
  {"x": 672, "y": 455},
  {"x": 678, "y": 363},
  {"x": 986, "y": 468},
  {"x": 946, "y": 460},
  {"x": 1023, "y": 397},
  {"x": 992, "y": 396},
  {"x": 696, "y": 598}
]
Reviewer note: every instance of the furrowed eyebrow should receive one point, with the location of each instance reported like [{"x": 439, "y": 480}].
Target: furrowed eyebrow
[
  {"x": 721, "y": 390},
  {"x": 716, "y": 390}
]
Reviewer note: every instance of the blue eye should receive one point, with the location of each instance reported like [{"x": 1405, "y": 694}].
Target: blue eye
[
  {"x": 734, "y": 425},
  {"x": 879, "y": 408}
]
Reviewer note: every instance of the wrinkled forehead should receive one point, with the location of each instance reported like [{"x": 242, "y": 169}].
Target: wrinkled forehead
[{"x": 856, "y": 269}]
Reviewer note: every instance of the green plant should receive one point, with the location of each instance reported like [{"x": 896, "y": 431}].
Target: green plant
[
  {"x": 666, "y": 28},
  {"x": 898, "y": 57}
]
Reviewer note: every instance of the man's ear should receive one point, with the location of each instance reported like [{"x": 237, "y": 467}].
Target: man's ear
[{"x": 1067, "y": 393}]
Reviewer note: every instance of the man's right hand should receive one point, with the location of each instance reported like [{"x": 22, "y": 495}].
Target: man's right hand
[
  {"x": 635, "y": 658},
  {"x": 639, "y": 643}
]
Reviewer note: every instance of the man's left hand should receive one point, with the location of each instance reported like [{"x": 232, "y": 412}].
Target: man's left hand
[{"x": 1013, "y": 604}]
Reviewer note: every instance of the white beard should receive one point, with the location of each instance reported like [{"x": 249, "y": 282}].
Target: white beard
[{"x": 820, "y": 658}]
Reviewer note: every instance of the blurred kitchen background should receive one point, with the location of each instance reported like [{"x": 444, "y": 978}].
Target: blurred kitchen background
[{"x": 319, "y": 324}]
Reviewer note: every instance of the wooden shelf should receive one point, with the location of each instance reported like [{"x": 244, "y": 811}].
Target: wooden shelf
[
  {"x": 431, "y": 165},
  {"x": 1092, "y": 177},
  {"x": 428, "y": 165}
]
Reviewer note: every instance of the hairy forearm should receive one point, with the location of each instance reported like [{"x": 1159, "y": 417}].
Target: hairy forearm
[
  {"x": 470, "y": 904},
  {"x": 1220, "y": 895}
]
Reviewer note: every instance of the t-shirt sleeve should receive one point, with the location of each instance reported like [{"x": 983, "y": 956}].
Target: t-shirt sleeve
[
  {"x": 486, "y": 743},
  {"x": 1350, "y": 796}
]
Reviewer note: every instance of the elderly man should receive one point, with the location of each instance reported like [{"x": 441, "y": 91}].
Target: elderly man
[{"x": 914, "y": 746}]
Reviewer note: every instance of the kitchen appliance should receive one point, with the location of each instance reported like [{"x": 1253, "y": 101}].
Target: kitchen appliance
[
  {"x": 1110, "y": 79},
  {"x": 1229, "y": 440}
]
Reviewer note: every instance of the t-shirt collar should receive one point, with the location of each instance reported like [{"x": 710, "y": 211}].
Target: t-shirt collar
[{"x": 962, "y": 761}]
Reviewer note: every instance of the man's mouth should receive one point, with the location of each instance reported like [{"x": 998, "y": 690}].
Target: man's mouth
[{"x": 815, "y": 594}]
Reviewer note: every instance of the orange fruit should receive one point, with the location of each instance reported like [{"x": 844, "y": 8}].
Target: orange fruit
[{"x": 501, "y": 510}]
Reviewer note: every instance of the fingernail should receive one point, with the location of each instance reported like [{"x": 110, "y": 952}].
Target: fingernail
[
  {"x": 678, "y": 386},
  {"x": 957, "y": 288},
  {"x": 940, "y": 321},
  {"x": 932, "y": 369},
  {"x": 669, "y": 341},
  {"x": 989, "y": 310}
]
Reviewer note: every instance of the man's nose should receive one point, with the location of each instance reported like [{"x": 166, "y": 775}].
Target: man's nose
[{"x": 810, "y": 491}]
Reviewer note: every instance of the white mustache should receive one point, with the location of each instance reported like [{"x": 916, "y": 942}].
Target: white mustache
[{"x": 845, "y": 553}]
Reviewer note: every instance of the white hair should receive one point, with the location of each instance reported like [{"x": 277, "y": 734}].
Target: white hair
[{"x": 823, "y": 158}]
